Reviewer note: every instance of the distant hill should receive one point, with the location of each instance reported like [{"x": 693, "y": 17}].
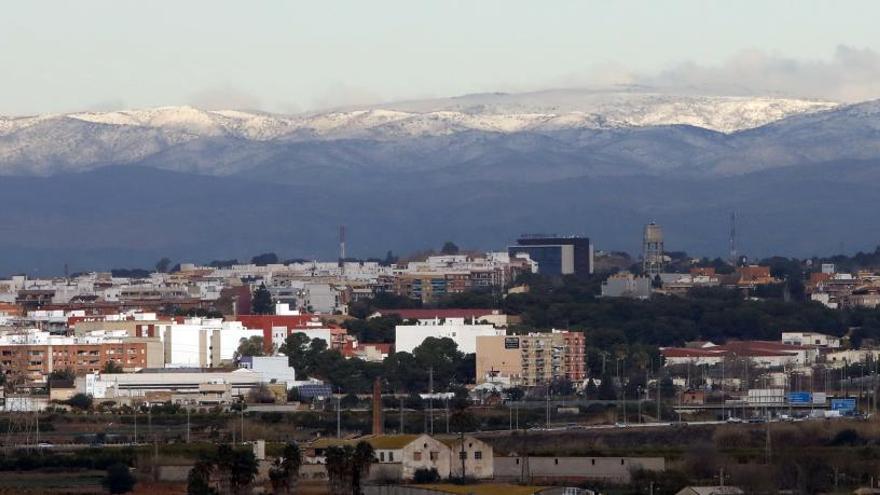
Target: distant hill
[{"x": 98, "y": 190}]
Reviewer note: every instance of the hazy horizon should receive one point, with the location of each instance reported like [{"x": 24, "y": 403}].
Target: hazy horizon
[{"x": 295, "y": 57}]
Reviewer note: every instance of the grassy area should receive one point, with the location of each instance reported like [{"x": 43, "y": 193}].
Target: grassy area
[
  {"x": 29, "y": 482},
  {"x": 485, "y": 489}
]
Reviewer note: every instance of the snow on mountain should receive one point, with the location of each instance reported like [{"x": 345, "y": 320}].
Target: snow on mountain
[{"x": 45, "y": 144}]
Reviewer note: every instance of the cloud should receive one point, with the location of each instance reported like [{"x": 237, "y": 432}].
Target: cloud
[
  {"x": 851, "y": 74},
  {"x": 224, "y": 98}
]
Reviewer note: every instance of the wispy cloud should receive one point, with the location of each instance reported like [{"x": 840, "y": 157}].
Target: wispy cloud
[{"x": 851, "y": 74}]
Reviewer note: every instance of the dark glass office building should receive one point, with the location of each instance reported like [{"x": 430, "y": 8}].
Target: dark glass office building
[{"x": 557, "y": 255}]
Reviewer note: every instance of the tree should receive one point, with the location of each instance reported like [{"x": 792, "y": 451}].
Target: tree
[
  {"x": 198, "y": 482},
  {"x": 361, "y": 460},
  {"x": 265, "y": 259},
  {"x": 112, "y": 366},
  {"x": 390, "y": 259},
  {"x": 261, "y": 301},
  {"x": 592, "y": 392},
  {"x": 607, "y": 390},
  {"x": 118, "y": 479},
  {"x": 346, "y": 467},
  {"x": 514, "y": 393},
  {"x": 295, "y": 347},
  {"x": 237, "y": 469},
  {"x": 284, "y": 473},
  {"x": 449, "y": 247},
  {"x": 251, "y": 346},
  {"x": 65, "y": 374},
  {"x": 163, "y": 265},
  {"x": 82, "y": 402}
]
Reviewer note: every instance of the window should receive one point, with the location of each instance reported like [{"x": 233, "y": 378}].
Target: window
[
  {"x": 593, "y": 462},
  {"x": 621, "y": 462},
  {"x": 435, "y": 456},
  {"x": 556, "y": 461},
  {"x": 417, "y": 456},
  {"x": 462, "y": 455},
  {"x": 381, "y": 456},
  {"x": 391, "y": 457},
  {"x": 517, "y": 462},
  {"x": 478, "y": 455}
]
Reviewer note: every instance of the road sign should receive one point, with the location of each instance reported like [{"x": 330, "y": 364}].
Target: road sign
[
  {"x": 843, "y": 405},
  {"x": 799, "y": 398}
]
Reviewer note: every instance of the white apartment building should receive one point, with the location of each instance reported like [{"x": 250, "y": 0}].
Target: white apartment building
[
  {"x": 202, "y": 342},
  {"x": 408, "y": 337}
]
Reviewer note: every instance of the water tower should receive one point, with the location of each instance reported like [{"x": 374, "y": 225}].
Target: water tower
[{"x": 652, "y": 250}]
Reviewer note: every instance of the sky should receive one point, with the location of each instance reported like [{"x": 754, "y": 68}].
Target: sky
[{"x": 292, "y": 56}]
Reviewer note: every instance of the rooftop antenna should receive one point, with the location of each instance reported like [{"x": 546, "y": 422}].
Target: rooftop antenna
[{"x": 733, "y": 238}]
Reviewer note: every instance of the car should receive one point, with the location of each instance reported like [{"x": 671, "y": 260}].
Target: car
[
  {"x": 734, "y": 419},
  {"x": 619, "y": 425},
  {"x": 45, "y": 445},
  {"x": 757, "y": 420}
]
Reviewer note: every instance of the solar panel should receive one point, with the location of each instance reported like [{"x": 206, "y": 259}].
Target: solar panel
[{"x": 314, "y": 391}]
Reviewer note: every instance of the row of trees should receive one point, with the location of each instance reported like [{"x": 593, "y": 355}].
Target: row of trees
[{"x": 404, "y": 372}]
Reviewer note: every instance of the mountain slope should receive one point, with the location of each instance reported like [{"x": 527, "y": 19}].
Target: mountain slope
[
  {"x": 49, "y": 144},
  {"x": 132, "y": 216}
]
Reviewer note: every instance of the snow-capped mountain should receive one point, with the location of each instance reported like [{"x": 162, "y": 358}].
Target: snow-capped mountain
[
  {"x": 195, "y": 184},
  {"x": 48, "y": 143}
]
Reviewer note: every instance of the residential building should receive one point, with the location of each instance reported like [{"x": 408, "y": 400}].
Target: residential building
[
  {"x": 408, "y": 337},
  {"x": 37, "y": 353},
  {"x": 532, "y": 359},
  {"x": 625, "y": 284},
  {"x": 275, "y": 369}
]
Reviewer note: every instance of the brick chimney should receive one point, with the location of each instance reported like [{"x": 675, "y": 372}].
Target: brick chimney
[{"x": 378, "y": 424}]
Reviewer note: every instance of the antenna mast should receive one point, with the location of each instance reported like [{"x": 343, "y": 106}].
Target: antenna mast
[
  {"x": 342, "y": 248},
  {"x": 733, "y": 260}
]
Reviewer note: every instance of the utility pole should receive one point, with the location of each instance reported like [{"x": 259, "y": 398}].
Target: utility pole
[
  {"x": 431, "y": 399},
  {"x": 447, "y": 415},
  {"x": 135, "y": 424},
  {"x": 338, "y": 417},
  {"x": 242, "y": 420},
  {"x": 187, "y": 424},
  {"x": 658, "y": 398},
  {"x": 548, "y": 408},
  {"x": 517, "y": 417}
]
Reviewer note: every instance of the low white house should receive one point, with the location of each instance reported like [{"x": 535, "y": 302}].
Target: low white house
[
  {"x": 398, "y": 457},
  {"x": 810, "y": 339}
]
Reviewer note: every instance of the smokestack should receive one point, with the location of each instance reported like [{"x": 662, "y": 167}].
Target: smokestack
[{"x": 378, "y": 424}]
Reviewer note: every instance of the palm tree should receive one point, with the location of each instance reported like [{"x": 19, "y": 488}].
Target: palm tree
[
  {"x": 347, "y": 466},
  {"x": 237, "y": 469},
  {"x": 199, "y": 479},
  {"x": 284, "y": 473},
  {"x": 362, "y": 458},
  {"x": 337, "y": 461}
]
